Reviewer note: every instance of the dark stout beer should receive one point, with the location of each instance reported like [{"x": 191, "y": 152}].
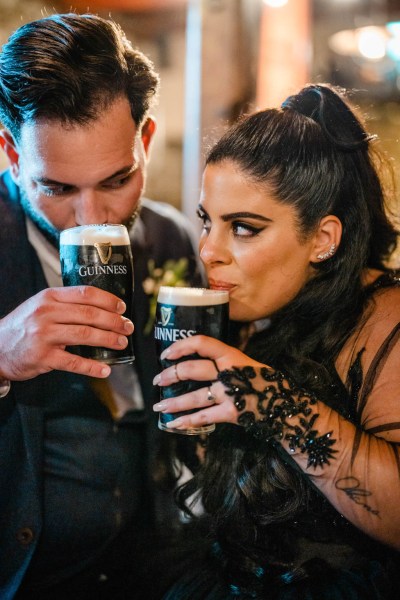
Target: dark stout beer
[
  {"x": 181, "y": 313},
  {"x": 100, "y": 255}
]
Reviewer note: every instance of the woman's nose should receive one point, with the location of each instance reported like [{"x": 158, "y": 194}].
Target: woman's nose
[{"x": 212, "y": 249}]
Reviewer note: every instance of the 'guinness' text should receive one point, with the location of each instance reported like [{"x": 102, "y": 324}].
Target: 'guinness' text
[
  {"x": 84, "y": 271},
  {"x": 172, "y": 335}
]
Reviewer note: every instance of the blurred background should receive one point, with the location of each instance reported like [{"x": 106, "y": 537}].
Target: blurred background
[{"x": 219, "y": 58}]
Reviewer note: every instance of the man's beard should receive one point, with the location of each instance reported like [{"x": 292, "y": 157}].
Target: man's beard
[{"x": 51, "y": 234}]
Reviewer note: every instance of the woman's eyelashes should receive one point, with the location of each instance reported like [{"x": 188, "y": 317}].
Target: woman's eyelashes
[
  {"x": 204, "y": 218},
  {"x": 245, "y": 230},
  {"x": 240, "y": 229}
]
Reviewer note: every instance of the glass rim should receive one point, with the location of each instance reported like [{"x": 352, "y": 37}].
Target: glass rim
[
  {"x": 191, "y": 296},
  {"x": 114, "y": 230}
]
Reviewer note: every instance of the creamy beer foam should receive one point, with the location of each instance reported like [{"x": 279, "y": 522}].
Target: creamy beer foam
[
  {"x": 87, "y": 235},
  {"x": 185, "y": 296}
]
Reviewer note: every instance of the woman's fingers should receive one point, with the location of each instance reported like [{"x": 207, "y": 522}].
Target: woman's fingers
[
  {"x": 223, "y": 356},
  {"x": 195, "y": 370},
  {"x": 214, "y": 356},
  {"x": 197, "y": 399},
  {"x": 204, "y": 346},
  {"x": 210, "y": 403},
  {"x": 215, "y": 414}
]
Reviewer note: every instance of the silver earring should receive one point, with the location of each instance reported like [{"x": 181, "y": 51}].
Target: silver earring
[{"x": 328, "y": 254}]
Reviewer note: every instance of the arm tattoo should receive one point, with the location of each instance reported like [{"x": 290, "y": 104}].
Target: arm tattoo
[
  {"x": 351, "y": 487},
  {"x": 278, "y": 401}
]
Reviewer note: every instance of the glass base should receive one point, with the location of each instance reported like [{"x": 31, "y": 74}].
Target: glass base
[
  {"x": 105, "y": 355},
  {"x": 123, "y": 360},
  {"x": 192, "y": 431}
]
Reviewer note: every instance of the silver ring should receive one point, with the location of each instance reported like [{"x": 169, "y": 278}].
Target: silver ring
[
  {"x": 210, "y": 396},
  {"x": 176, "y": 372}
]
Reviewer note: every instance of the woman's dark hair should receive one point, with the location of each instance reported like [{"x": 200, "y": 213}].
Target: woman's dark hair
[
  {"x": 314, "y": 154},
  {"x": 68, "y": 67}
]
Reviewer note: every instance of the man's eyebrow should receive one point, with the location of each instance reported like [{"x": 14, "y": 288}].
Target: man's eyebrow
[
  {"x": 47, "y": 181},
  {"x": 124, "y": 172}
]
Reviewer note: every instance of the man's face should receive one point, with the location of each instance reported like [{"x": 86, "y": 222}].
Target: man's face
[{"x": 77, "y": 175}]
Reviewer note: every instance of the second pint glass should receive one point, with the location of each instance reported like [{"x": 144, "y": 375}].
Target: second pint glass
[
  {"x": 181, "y": 313},
  {"x": 100, "y": 255}
]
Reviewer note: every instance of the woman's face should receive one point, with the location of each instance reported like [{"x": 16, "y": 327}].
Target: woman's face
[{"x": 250, "y": 244}]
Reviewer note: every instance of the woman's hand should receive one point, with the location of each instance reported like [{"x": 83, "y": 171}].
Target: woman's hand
[{"x": 212, "y": 403}]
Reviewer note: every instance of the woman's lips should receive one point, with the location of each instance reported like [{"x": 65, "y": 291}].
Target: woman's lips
[{"x": 220, "y": 285}]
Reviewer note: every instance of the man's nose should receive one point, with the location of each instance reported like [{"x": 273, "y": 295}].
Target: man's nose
[{"x": 89, "y": 208}]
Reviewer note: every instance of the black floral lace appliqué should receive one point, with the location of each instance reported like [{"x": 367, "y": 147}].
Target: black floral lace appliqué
[{"x": 279, "y": 400}]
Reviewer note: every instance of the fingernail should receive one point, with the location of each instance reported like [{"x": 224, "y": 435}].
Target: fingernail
[
  {"x": 174, "y": 424},
  {"x": 128, "y": 325},
  {"x": 159, "y": 406},
  {"x": 121, "y": 307},
  {"x": 165, "y": 353},
  {"x": 157, "y": 379},
  {"x": 105, "y": 371},
  {"x": 122, "y": 341}
]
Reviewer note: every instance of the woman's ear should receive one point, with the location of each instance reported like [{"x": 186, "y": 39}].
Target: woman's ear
[
  {"x": 327, "y": 238},
  {"x": 9, "y": 147}
]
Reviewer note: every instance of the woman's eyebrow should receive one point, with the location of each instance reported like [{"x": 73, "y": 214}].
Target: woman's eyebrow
[
  {"x": 236, "y": 215},
  {"x": 244, "y": 215}
]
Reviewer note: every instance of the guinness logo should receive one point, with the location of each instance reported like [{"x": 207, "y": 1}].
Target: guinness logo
[
  {"x": 165, "y": 315},
  {"x": 104, "y": 250}
]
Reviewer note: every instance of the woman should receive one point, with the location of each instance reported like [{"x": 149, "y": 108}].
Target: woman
[{"x": 300, "y": 484}]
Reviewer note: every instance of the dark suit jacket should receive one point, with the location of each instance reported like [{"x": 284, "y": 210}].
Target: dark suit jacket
[{"x": 161, "y": 232}]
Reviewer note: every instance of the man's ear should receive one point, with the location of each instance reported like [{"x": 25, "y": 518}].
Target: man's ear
[
  {"x": 327, "y": 238},
  {"x": 147, "y": 132},
  {"x": 10, "y": 148}
]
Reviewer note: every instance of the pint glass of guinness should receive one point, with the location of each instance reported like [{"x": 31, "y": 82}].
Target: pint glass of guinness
[
  {"x": 100, "y": 255},
  {"x": 183, "y": 312}
]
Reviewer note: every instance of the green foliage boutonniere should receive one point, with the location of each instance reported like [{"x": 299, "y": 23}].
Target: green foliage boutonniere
[{"x": 173, "y": 273}]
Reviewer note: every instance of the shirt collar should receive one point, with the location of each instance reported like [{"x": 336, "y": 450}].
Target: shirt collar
[{"x": 48, "y": 255}]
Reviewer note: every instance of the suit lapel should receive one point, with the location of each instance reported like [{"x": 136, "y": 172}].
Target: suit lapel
[{"x": 19, "y": 263}]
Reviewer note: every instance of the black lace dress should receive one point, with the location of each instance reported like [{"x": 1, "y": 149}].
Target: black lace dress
[{"x": 316, "y": 553}]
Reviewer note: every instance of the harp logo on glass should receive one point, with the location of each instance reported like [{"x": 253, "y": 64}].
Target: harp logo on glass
[
  {"x": 166, "y": 329},
  {"x": 104, "y": 250},
  {"x": 165, "y": 315}
]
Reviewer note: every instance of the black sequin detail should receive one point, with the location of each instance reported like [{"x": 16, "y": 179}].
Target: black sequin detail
[
  {"x": 278, "y": 401},
  {"x": 389, "y": 279}
]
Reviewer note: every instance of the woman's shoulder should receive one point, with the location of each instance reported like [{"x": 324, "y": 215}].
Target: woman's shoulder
[
  {"x": 382, "y": 313},
  {"x": 380, "y": 324},
  {"x": 385, "y": 295}
]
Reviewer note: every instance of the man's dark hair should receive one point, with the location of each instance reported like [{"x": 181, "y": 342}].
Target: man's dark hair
[{"x": 69, "y": 67}]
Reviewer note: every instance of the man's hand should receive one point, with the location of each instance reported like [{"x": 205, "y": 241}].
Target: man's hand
[{"x": 33, "y": 337}]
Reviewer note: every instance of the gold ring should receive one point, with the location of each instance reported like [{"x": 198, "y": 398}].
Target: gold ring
[{"x": 176, "y": 372}]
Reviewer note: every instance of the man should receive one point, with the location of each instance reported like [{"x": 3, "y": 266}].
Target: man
[{"x": 75, "y": 434}]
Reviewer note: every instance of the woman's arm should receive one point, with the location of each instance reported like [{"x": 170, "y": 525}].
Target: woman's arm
[{"x": 358, "y": 471}]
